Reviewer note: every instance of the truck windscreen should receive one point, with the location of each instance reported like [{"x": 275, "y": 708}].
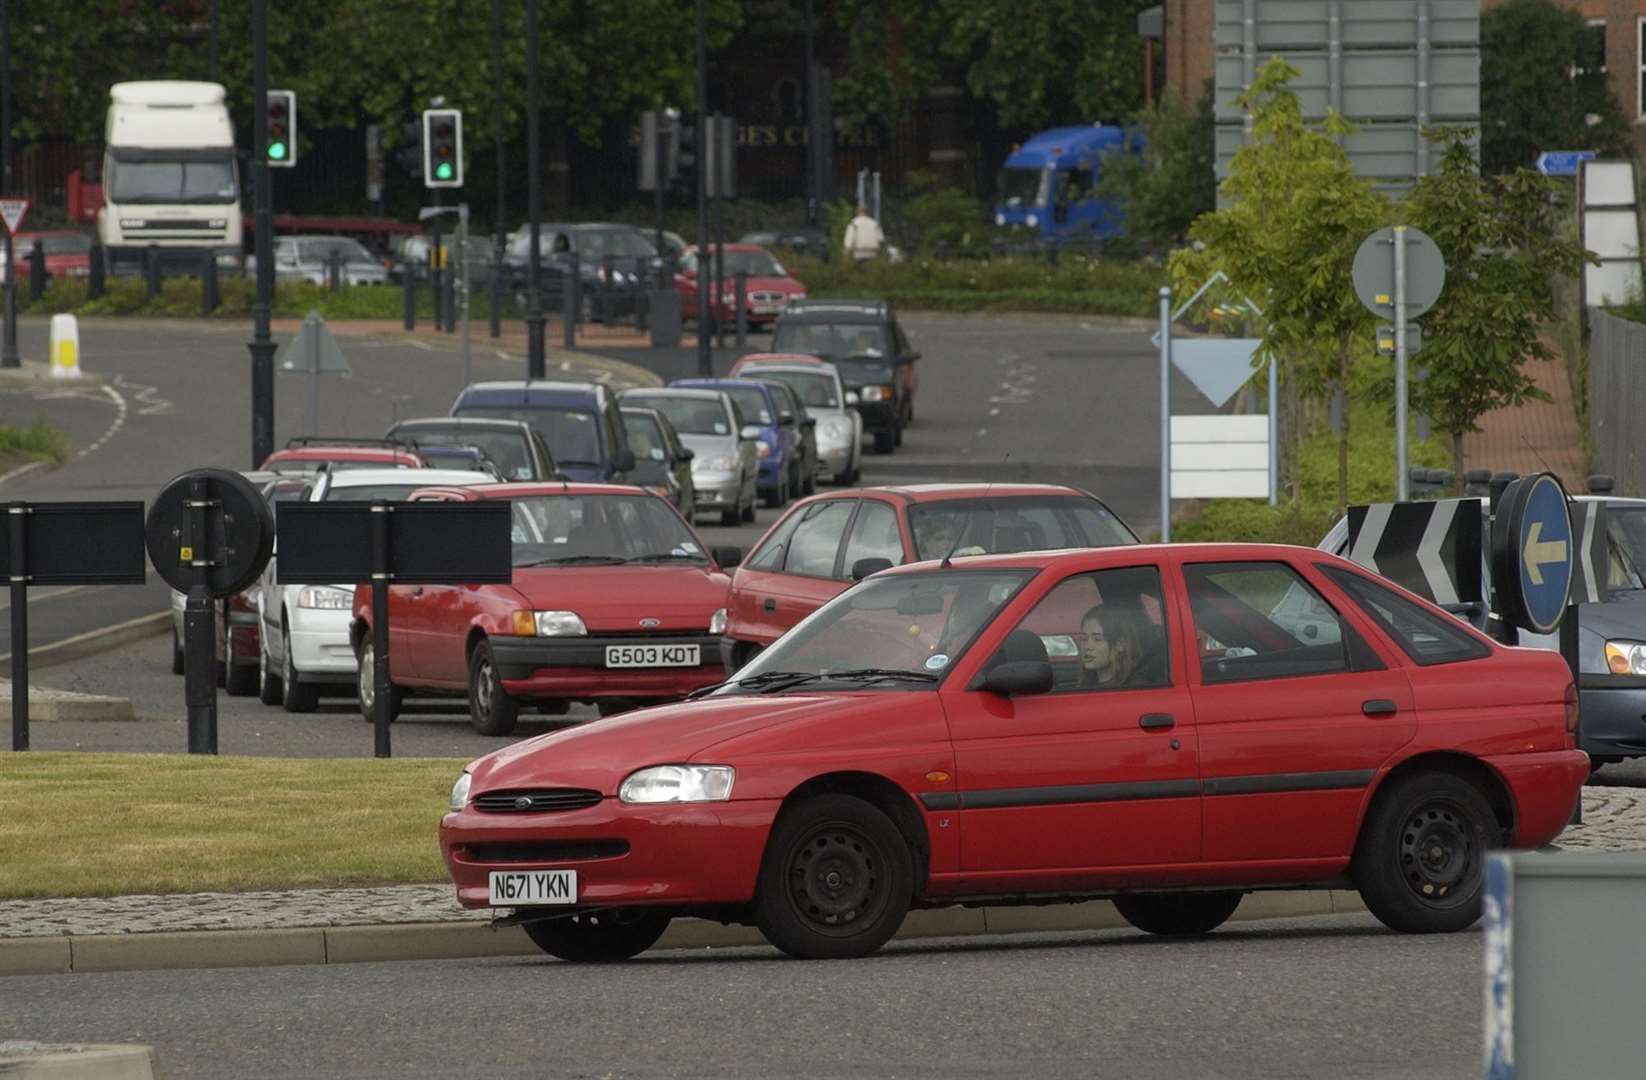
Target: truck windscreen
[
  {"x": 197, "y": 181},
  {"x": 1024, "y": 187}
]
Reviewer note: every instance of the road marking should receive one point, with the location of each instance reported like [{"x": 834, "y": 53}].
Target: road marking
[
  {"x": 414, "y": 343},
  {"x": 21, "y": 470},
  {"x": 142, "y": 626},
  {"x": 43, "y": 595},
  {"x": 114, "y": 428},
  {"x": 146, "y": 396}
]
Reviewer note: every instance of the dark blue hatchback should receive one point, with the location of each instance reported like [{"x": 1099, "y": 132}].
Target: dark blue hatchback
[
  {"x": 579, "y": 420},
  {"x": 760, "y": 409}
]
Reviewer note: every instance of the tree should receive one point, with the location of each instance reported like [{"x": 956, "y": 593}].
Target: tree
[
  {"x": 1175, "y": 181},
  {"x": 1503, "y": 247},
  {"x": 1542, "y": 87},
  {"x": 1297, "y": 211}
]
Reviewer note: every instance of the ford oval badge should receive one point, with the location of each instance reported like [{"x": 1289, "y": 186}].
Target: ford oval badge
[
  {"x": 648, "y": 623},
  {"x": 524, "y": 802}
]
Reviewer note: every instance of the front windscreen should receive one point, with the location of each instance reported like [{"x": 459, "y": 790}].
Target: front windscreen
[
  {"x": 1023, "y": 188},
  {"x": 901, "y": 631},
  {"x": 1626, "y": 546},
  {"x": 572, "y": 434},
  {"x": 66, "y": 244},
  {"x": 839, "y": 341},
  {"x": 322, "y": 250},
  {"x": 815, "y": 390},
  {"x": 753, "y": 263},
  {"x": 995, "y": 526},
  {"x": 690, "y": 416},
  {"x": 751, "y": 403},
  {"x": 368, "y": 492},
  {"x": 567, "y": 530},
  {"x": 206, "y": 181},
  {"x": 506, "y": 449},
  {"x": 595, "y": 244}
]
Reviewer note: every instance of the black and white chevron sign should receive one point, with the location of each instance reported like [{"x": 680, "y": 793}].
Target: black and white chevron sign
[
  {"x": 1431, "y": 548},
  {"x": 1590, "y": 575}
]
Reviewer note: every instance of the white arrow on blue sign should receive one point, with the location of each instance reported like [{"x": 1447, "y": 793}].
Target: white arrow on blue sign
[{"x": 1562, "y": 162}]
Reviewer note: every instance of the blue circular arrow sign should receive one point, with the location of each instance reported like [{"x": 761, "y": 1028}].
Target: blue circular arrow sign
[{"x": 1532, "y": 553}]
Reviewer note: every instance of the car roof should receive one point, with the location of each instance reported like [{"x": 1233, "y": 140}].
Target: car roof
[
  {"x": 341, "y": 452},
  {"x": 925, "y": 493},
  {"x": 709, "y": 384},
  {"x": 478, "y": 423},
  {"x": 785, "y": 359},
  {"x": 842, "y": 311},
  {"x": 696, "y": 393},
  {"x": 1126, "y": 555},
  {"x": 529, "y": 389},
  {"x": 523, "y": 489},
  {"x": 348, "y": 478},
  {"x": 729, "y": 246}
]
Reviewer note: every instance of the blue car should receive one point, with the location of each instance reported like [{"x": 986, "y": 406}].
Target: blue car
[
  {"x": 579, "y": 420},
  {"x": 762, "y": 417}
]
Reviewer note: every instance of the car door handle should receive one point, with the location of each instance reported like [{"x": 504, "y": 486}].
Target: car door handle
[
  {"x": 1379, "y": 707},
  {"x": 769, "y": 604},
  {"x": 1156, "y": 721}
]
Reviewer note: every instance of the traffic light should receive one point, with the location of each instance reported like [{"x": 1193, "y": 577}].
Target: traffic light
[
  {"x": 682, "y": 151},
  {"x": 280, "y": 128},
  {"x": 442, "y": 148},
  {"x": 410, "y": 154}
]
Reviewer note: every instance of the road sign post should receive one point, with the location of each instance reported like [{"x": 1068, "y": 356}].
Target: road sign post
[
  {"x": 12, "y": 211},
  {"x": 1532, "y": 553},
  {"x": 1165, "y": 414},
  {"x": 1562, "y": 162}
]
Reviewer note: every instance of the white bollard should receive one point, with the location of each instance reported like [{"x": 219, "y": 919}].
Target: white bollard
[{"x": 65, "y": 347}]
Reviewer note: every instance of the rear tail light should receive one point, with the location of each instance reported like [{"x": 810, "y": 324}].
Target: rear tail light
[
  {"x": 1571, "y": 711},
  {"x": 242, "y": 601}
]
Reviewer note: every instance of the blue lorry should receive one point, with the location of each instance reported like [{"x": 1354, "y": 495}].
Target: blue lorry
[{"x": 1048, "y": 187}]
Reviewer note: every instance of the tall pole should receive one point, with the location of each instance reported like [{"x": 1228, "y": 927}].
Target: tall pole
[
  {"x": 9, "y": 356},
  {"x": 212, "y": 16},
  {"x": 705, "y": 357},
  {"x": 811, "y": 124},
  {"x": 1165, "y": 414},
  {"x": 262, "y": 348},
  {"x": 535, "y": 358},
  {"x": 1400, "y": 362},
  {"x": 498, "y": 218}
]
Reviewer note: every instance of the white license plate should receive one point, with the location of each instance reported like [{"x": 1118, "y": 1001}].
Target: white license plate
[
  {"x": 652, "y": 656},
  {"x": 767, "y": 309},
  {"x": 520, "y": 888}
]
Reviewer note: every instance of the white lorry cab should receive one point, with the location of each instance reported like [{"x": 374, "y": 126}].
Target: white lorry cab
[{"x": 169, "y": 177}]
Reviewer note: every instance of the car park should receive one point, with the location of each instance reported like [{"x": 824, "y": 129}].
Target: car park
[
  {"x": 762, "y": 422},
  {"x": 311, "y": 453},
  {"x": 614, "y": 600},
  {"x": 303, "y": 642},
  {"x": 615, "y": 266},
  {"x": 514, "y": 446},
  {"x": 864, "y": 340},
  {"x": 768, "y": 287},
  {"x": 817, "y": 383},
  {"x": 912, "y": 745},
  {"x": 815, "y": 551},
  {"x": 577, "y": 420},
  {"x": 662, "y": 463},
  {"x": 799, "y": 428},
  {"x": 725, "y": 465}
]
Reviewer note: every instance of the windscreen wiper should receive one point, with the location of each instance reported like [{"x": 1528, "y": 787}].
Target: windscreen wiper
[
  {"x": 563, "y": 560},
  {"x": 852, "y": 675},
  {"x": 666, "y": 556}
]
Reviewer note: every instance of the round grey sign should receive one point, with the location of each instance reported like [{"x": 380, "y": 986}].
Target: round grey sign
[{"x": 1374, "y": 272}]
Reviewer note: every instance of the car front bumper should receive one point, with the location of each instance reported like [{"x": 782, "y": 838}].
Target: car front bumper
[
  {"x": 575, "y": 667},
  {"x": 680, "y": 854},
  {"x": 320, "y": 649},
  {"x": 1612, "y": 715},
  {"x": 833, "y": 460},
  {"x": 717, "y": 489}
]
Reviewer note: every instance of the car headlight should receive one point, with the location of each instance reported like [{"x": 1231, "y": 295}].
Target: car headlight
[
  {"x": 678, "y": 784},
  {"x": 719, "y": 464},
  {"x": 1626, "y": 657},
  {"x": 796, "y": 296},
  {"x": 879, "y": 393},
  {"x": 1031, "y": 221},
  {"x": 325, "y": 598},
  {"x": 837, "y": 430},
  {"x": 717, "y": 622},
  {"x": 549, "y": 624},
  {"x": 763, "y": 448},
  {"x": 460, "y": 792}
]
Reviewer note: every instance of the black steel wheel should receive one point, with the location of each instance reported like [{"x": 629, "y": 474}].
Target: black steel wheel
[
  {"x": 491, "y": 710},
  {"x": 593, "y": 937},
  {"x": 300, "y": 697},
  {"x": 1420, "y": 860},
  {"x": 365, "y": 686},
  {"x": 1178, "y": 914},
  {"x": 836, "y": 879}
]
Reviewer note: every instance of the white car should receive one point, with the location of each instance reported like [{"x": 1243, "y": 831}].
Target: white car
[
  {"x": 303, "y": 645},
  {"x": 818, "y": 386}
]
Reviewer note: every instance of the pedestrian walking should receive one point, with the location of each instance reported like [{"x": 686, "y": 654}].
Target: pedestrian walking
[{"x": 863, "y": 236}]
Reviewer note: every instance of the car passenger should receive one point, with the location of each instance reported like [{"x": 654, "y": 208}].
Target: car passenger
[{"x": 1114, "y": 648}]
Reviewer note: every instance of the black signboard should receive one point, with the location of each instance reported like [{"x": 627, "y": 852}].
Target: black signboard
[
  {"x": 79, "y": 543},
  {"x": 430, "y": 543}
]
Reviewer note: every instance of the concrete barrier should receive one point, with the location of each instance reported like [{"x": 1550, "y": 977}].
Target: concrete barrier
[{"x": 21, "y": 1060}]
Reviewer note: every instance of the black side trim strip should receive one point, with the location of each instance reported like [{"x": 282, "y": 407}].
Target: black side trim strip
[
  {"x": 1311, "y": 781},
  {"x": 1079, "y": 793},
  {"x": 940, "y": 800}
]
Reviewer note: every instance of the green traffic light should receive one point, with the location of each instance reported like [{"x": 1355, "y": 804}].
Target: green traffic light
[
  {"x": 443, "y": 171},
  {"x": 277, "y": 151}
]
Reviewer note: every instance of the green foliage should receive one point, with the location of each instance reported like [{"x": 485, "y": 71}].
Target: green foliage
[
  {"x": 1176, "y": 179},
  {"x": 937, "y": 215},
  {"x": 1530, "y": 100},
  {"x": 38, "y": 440},
  {"x": 1502, "y": 246},
  {"x": 1057, "y": 61},
  {"x": 1075, "y": 284}
]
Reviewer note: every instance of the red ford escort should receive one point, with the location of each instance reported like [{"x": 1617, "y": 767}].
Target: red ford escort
[
  {"x": 1169, "y": 726},
  {"x": 615, "y": 600}
]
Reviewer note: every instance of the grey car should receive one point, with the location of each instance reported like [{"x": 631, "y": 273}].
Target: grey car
[
  {"x": 309, "y": 258},
  {"x": 514, "y": 446},
  {"x": 1611, "y": 635},
  {"x": 662, "y": 463},
  {"x": 839, "y": 430},
  {"x": 725, "y": 466}
]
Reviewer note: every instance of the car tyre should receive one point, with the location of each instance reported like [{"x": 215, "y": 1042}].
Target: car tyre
[
  {"x": 596, "y": 937},
  {"x": 846, "y": 475},
  {"x": 176, "y": 653},
  {"x": 885, "y": 442},
  {"x": 241, "y": 680},
  {"x": 491, "y": 710},
  {"x": 748, "y": 512},
  {"x": 1420, "y": 860},
  {"x": 299, "y": 697},
  {"x": 614, "y": 706},
  {"x": 269, "y": 690},
  {"x": 1178, "y": 914},
  {"x": 365, "y": 689},
  {"x": 732, "y": 517},
  {"x": 836, "y": 879},
  {"x": 777, "y": 497},
  {"x": 810, "y": 485}
]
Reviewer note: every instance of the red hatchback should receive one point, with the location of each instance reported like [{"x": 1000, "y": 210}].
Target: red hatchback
[
  {"x": 615, "y": 600},
  {"x": 812, "y": 553},
  {"x": 768, "y": 287},
  {"x": 310, "y": 453},
  {"x": 1169, "y": 726}
]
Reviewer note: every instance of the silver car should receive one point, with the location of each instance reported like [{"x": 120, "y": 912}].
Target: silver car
[
  {"x": 309, "y": 258},
  {"x": 839, "y": 426},
  {"x": 725, "y": 465}
]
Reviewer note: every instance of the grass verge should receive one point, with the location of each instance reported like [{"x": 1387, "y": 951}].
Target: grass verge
[
  {"x": 37, "y": 441},
  {"x": 74, "y": 824}
]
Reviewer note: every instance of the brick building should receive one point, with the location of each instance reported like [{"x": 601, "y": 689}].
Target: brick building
[{"x": 1619, "y": 28}]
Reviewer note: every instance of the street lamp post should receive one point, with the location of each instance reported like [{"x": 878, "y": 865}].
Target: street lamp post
[
  {"x": 9, "y": 356},
  {"x": 496, "y": 314},
  {"x": 262, "y": 348},
  {"x": 535, "y": 359},
  {"x": 705, "y": 357},
  {"x": 810, "y": 99}
]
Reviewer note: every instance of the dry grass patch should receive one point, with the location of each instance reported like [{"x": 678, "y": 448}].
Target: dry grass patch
[{"x": 112, "y": 824}]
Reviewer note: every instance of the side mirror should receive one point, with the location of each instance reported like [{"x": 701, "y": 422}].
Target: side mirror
[
  {"x": 862, "y": 568},
  {"x": 623, "y": 460},
  {"x": 750, "y": 431},
  {"x": 687, "y": 453},
  {"x": 786, "y": 418},
  {"x": 852, "y": 397},
  {"x": 728, "y": 556},
  {"x": 809, "y": 422},
  {"x": 1018, "y": 677}
]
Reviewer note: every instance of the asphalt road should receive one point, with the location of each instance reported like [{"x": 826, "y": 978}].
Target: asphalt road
[{"x": 1331, "y": 997}]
